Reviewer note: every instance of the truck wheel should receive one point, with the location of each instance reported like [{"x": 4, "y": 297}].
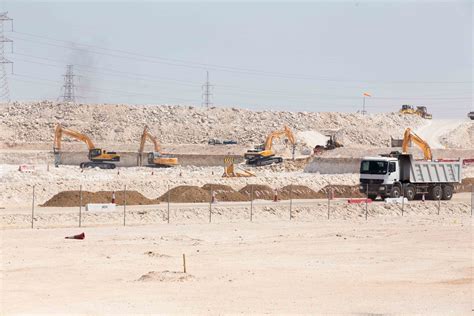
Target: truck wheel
[
  {"x": 410, "y": 192},
  {"x": 436, "y": 193},
  {"x": 447, "y": 193},
  {"x": 395, "y": 193}
]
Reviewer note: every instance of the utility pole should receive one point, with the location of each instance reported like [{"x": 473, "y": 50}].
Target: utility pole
[
  {"x": 4, "y": 90},
  {"x": 206, "y": 92},
  {"x": 68, "y": 86}
]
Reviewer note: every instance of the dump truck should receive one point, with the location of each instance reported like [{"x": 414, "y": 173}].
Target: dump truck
[{"x": 399, "y": 174}]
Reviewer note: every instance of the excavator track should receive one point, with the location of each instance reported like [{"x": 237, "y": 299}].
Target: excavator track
[{"x": 101, "y": 165}]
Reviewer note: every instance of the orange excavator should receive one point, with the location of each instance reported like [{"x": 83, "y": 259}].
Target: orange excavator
[
  {"x": 155, "y": 158},
  {"x": 97, "y": 157},
  {"x": 263, "y": 154},
  {"x": 410, "y": 136}
]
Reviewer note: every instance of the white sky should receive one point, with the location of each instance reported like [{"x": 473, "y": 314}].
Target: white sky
[{"x": 313, "y": 56}]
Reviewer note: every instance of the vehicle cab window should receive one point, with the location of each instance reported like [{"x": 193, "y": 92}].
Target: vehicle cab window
[{"x": 392, "y": 167}]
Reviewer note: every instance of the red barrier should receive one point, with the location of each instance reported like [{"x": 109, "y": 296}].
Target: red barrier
[{"x": 354, "y": 201}]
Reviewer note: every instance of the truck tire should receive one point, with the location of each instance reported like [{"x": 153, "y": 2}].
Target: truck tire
[
  {"x": 447, "y": 193},
  {"x": 410, "y": 192},
  {"x": 436, "y": 192},
  {"x": 395, "y": 192}
]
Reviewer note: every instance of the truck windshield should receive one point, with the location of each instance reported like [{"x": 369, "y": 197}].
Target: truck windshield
[{"x": 373, "y": 167}]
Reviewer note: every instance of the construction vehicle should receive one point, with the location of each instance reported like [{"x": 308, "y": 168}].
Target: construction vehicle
[
  {"x": 155, "y": 158},
  {"x": 399, "y": 174},
  {"x": 419, "y": 110},
  {"x": 331, "y": 144},
  {"x": 230, "y": 172},
  {"x": 471, "y": 115},
  {"x": 263, "y": 154},
  {"x": 97, "y": 157}
]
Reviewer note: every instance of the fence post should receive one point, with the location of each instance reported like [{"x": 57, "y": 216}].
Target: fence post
[
  {"x": 291, "y": 198},
  {"x": 124, "y": 203},
  {"x": 403, "y": 202},
  {"x": 33, "y": 207},
  {"x": 472, "y": 198},
  {"x": 80, "y": 205},
  {"x": 169, "y": 203},
  {"x": 329, "y": 200},
  {"x": 251, "y": 202},
  {"x": 210, "y": 204},
  {"x": 439, "y": 201},
  {"x": 367, "y": 202}
]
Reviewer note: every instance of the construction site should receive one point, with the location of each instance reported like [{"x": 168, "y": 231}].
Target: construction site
[{"x": 293, "y": 194}]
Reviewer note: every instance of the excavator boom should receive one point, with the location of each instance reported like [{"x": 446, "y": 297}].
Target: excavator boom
[
  {"x": 156, "y": 158},
  {"x": 264, "y": 155},
  {"x": 410, "y": 136},
  {"x": 98, "y": 157}
]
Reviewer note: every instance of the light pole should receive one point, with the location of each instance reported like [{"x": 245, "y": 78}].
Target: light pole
[{"x": 365, "y": 94}]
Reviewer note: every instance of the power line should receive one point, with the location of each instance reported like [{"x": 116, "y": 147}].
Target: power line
[{"x": 188, "y": 64}]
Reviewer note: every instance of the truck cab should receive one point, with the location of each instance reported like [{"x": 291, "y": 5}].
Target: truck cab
[{"x": 377, "y": 176}]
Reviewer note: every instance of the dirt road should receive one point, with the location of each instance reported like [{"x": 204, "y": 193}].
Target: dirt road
[
  {"x": 434, "y": 129},
  {"x": 396, "y": 265}
]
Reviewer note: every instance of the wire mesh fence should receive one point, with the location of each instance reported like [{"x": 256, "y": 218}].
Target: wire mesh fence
[{"x": 80, "y": 208}]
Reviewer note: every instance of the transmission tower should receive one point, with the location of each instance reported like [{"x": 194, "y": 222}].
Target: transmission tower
[
  {"x": 68, "y": 86},
  {"x": 206, "y": 92},
  {"x": 4, "y": 90}
]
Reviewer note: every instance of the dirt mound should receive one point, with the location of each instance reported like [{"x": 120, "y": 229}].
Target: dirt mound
[
  {"x": 186, "y": 194},
  {"x": 465, "y": 185},
  {"x": 260, "y": 191},
  {"x": 297, "y": 192},
  {"x": 225, "y": 192},
  {"x": 341, "y": 191},
  {"x": 72, "y": 198},
  {"x": 165, "y": 276}
]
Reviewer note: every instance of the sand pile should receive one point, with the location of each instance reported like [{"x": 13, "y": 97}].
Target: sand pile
[
  {"x": 341, "y": 191},
  {"x": 225, "y": 192},
  {"x": 461, "y": 137},
  {"x": 465, "y": 186},
  {"x": 165, "y": 276},
  {"x": 260, "y": 191},
  {"x": 297, "y": 192},
  {"x": 72, "y": 198},
  {"x": 34, "y": 122},
  {"x": 186, "y": 194}
]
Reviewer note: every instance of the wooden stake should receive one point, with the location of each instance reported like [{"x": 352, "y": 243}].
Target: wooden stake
[
  {"x": 184, "y": 263},
  {"x": 33, "y": 208}
]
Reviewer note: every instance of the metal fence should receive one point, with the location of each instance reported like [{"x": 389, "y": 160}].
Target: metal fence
[{"x": 218, "y": 211}]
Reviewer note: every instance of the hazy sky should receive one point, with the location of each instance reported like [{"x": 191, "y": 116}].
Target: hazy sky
[{"x": 312, "y": 56}]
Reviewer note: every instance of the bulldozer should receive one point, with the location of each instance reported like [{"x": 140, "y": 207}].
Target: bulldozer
[
  {"x": 155, "y": 158},
  {"x": 263, "y": 155},
  {"x": 97, "y": 157},
  {"x": 419, "y": 110}
]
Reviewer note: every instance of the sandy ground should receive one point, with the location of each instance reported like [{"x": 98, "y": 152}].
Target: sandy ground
[
  {"x": 435, "y": 129},
  {"x": 409, "y": 265}
]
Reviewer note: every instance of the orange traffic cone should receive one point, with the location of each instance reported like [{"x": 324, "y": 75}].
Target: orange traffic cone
[
  {"x": 80, "y": 236},
  {"x": 113, "y": 197},
  {"x": 275, "y": 196}
]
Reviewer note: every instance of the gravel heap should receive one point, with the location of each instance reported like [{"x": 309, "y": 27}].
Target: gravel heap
[{"x": 34, "y": 122}]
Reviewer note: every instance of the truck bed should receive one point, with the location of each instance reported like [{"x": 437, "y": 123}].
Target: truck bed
[{"x": 431, "y": 171}]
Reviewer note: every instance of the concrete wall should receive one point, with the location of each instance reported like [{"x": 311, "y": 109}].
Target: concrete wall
[{"x": 329, "y": 165}]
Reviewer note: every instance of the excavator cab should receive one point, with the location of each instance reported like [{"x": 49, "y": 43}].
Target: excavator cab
[
  {"x": 97, "y": 154},
  {"x": 162, "y": 160}
]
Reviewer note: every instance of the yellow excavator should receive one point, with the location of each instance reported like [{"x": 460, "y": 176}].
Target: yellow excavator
[
  {"x": 410, "y": 136},
  {"x": 263, "y": 154},
  {"x": 97, "y": 157},
  {"x": 155, "y": 158}
]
